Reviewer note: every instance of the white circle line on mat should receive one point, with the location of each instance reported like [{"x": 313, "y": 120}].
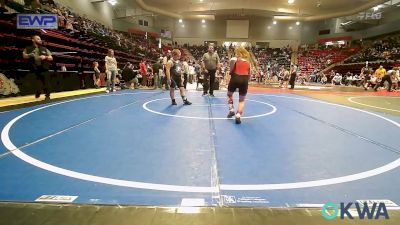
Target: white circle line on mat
[
  {"x": 145, "y": 106},
  {"x": 351, "y": 99},
  {"x": 177, "y": 188}
]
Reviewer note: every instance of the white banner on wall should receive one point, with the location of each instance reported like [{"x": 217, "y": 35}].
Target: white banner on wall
[{"x": 237, "y": 29}]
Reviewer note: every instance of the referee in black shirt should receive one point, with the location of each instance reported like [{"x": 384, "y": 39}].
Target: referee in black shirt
[{"x": 39, "y": 58}]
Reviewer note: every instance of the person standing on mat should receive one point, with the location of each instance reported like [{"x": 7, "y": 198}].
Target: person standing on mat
[
  {"x": 174, "y": 72},
  {"x": 293, "y": 74},
  {"x": 240, "y": 75},
  {"x": 143, "y": 72},
  {"x": 96, "y": 77},
  {"x": 210, "y": 63},
  {"x": 39, "y": 58},
  {"x": 111, "y": 70},
  {"x": 379, "y": 74},
  {"x": 185, "y": 72}
]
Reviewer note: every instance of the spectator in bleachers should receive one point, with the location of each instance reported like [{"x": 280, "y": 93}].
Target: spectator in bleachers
[
  {"x": 33, "y": 4},
  {"x": 39, "y": 58},
  {"x": 380, "y": 50},
  {"x": 337, "y": 79},
  {"x": 318, "y": 59},
  {"x": 3, "y": 6},
  {"x": 150, "y": 75},
  {"x": 386, "y": 77},
  {"x": 324, "y": 79},
  {"x": 96, "y": 74},
  {"x": 111, "y": 70},
  {"x": 157, "y": 68},
  {"x": 143, "y": 72}
]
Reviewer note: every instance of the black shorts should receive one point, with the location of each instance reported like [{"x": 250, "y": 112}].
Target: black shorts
[
  {"x": 239, "y": 81},
  {"x": 176, "y": 81}
]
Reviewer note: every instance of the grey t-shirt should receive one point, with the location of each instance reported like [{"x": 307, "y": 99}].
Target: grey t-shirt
[{"x": 211, "y": 60}]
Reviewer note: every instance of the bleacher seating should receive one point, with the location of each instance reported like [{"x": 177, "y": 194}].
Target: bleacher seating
[
  {"x": 75, "y": 50},
  {"x": 319, "y": 59}
]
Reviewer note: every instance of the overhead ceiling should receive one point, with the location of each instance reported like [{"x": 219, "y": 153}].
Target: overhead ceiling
[
  {"x": 362, "y": 21},
  {"x": 299, "y": 10}
]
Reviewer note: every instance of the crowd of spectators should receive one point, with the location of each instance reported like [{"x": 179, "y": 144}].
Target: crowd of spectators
[
  {"x": 311, "y": 60},
  {"x": 387, "y": 49},
  {"x": 90, "y": 30},
  {"x": 73, "y": 26},
  {"x": 266, "y": 62}
]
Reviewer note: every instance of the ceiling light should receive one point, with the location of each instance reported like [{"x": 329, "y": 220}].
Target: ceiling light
[
  {"x": 376, "y": 8},
  {"x": 203, "y": 21},
  {"x": 183, "y": 25},
  {"x": 346, "y": 23},
  {"x": 274, "y": 22},
  {"x": 286, "y": 18},
  {"x": 180, "y": 20},
  {"x": 112, "y": 2},
  {"x": 297, "y": 23},
  {"x": 290, "y": 28},
  {"x": 290, "y": 1}
]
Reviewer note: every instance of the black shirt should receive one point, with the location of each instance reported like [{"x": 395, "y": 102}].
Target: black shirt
[
  {"x": 176, "y": 69},
  {"x": 35, "y": 63}
]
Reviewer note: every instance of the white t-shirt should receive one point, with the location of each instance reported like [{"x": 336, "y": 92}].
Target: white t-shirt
[
  {"x": 337, "y": 79},
  {"x": 186, "y": 69},
  {"x": 191, "y": 69},
  {"x": 111, "y": 63}
]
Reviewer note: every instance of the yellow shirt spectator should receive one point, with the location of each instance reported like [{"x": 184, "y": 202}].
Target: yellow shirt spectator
[{"x": 381, "y": 72}]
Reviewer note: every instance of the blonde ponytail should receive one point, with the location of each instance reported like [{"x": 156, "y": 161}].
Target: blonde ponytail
[{"x": 243, "y": 53}]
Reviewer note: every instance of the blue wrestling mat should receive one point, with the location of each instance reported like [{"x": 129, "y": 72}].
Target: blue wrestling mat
[{"x": 133, "y": 147}]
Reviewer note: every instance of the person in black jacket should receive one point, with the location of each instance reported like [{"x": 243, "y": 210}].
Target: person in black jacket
[
  {"x": 128, "y": 75},
  {"x": 39, "y": 58},
  {"x": 293, "y": 75}
]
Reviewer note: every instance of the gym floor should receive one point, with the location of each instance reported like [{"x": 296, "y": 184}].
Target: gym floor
[{"x": 293, "y": 149}]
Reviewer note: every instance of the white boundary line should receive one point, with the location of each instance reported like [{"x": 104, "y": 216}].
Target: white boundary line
[
  {"x": 207, "y": 118},
  {"x": 350, "y": 99},
  {"x": 164, "y": 187}
]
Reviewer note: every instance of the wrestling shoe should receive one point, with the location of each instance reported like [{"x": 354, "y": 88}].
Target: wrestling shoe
[
  {"x": 237, "y": 119},
  {"x": 231, "y": 114}
]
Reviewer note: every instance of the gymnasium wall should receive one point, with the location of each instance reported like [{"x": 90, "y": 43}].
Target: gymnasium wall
[
  {"x": 260, "y": 30},
  {"x": 100, "y": 11},
  {"x": 389, "y": 23},
  {"x": 126, "y": 18}
]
